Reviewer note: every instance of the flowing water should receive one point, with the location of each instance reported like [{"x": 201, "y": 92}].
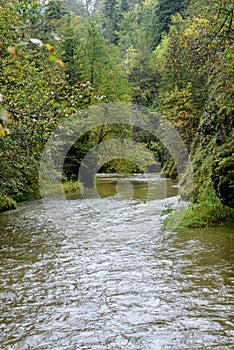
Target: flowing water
[{"x": 104, "y": 274}]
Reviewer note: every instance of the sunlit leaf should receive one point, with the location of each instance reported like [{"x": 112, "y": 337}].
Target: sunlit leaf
[
  {"x": 50, "y": 48},
  {"x": 2, "y": 131},
  {"x": 37, "y": 42},
  {"x": 52, "y": 58},
  {"x": 4, "y": 115},
  {"x": 60, "y": 63}
]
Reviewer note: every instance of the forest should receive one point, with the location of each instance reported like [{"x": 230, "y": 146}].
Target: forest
[{"x": 173, "y": 57}]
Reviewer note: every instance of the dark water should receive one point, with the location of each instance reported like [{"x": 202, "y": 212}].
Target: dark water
[{"x": 104, "y": 274}]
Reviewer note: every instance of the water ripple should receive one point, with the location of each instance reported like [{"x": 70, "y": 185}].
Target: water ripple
[{"x": 100, "y": 280}]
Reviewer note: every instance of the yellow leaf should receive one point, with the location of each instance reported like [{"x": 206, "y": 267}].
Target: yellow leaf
[
  {"x": 57, "y": 60},
  {"x": 2, "y": 132},
  {"x": 12, "y": 51},
  {"x": 60, "y": 62},
  {"x": 50, "y": 48}
]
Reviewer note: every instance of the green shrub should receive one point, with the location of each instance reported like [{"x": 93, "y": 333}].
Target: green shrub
[
  {"x": 6, "y": 203},
  {"x": 207, "y": 212},
  {"x": 72, "y": 189}
]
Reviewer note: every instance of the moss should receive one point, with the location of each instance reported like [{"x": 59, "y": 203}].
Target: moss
[
  {"x": 223, "y": 171},
  {"x": 7, "y": 203},
  {"x": 200, "y": 174}
]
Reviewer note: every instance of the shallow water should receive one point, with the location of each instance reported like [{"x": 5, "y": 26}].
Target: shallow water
[{"x": 104, "y": 274}]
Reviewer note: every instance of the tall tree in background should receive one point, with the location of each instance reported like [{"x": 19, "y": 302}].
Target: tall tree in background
[
  {"x": 111, "y": 20},
  {"x": 76, "y": 6},
  {"x": 88, "y": 57},
  {"x": 181, "y": 61},
  {"x": 164, "y": 10}
]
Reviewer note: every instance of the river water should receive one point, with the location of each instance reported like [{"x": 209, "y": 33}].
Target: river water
[{"x": 105, "y": 274}]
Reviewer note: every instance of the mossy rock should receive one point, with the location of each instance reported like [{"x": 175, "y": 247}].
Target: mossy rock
[{"x": 7, "y": 203}]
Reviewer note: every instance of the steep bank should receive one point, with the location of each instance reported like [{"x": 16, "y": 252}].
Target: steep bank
[{"x": 212, "y": 189}]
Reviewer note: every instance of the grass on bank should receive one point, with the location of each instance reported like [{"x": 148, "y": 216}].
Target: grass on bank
[
  {"x": 207, "y": 213},
  {"x": 71, "y": 189}
]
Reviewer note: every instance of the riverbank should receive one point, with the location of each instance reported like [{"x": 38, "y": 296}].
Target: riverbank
[
  {"x": 207, "y": 213},
  {"x": 70, "y": 188}
]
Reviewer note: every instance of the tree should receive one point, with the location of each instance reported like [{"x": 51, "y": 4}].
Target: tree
[
  {"x": 164, "y": 10},
  {"x": 111, "y": 19},
  {"x": 34, "y": 93},
  {"x": 181, "y": 60},
  {"x": 139, "y": 67},
  {"x": 88, "y": 57},
  {"x": 77, "y": 7}
]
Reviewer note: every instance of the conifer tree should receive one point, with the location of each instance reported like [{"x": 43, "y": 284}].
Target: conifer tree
[{"x": 164, "y": 10}]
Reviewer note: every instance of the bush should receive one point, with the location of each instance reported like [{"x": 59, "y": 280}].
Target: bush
[
  {"x": 206, "y": 213},
  {"x": 6, "y": 203}
]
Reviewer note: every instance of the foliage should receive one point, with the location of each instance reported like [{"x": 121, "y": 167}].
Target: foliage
[
  {"x": 165, "y": 10},
  {"x": 88, "y": 58},
  {"x": 184, "y": 78},
  {"x": 36, "y": 98},
  {"x": 123, "y": 166},
  {"x": 183, "y": 113},
  {"x": 6, "y": 203},
  {"x": 208, "y": 212}
]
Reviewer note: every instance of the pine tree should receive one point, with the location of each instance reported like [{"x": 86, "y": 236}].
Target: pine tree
[
  {"x": 111, "y": 19},
  {"x": 164, "y": 10}
]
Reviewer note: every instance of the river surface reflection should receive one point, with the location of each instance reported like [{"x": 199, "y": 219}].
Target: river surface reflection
[{"x": 106, "y": 275}]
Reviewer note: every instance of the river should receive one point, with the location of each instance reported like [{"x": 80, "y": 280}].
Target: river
[{"x": 106, "y": 274}]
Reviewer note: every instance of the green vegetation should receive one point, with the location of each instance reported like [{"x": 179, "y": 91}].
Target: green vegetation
[
  {"x": 71, "y": 189},
  {"x": 176, "y": 58},
  {"x": 209, "y": 211},
  {"x": 7, "y": 203}
]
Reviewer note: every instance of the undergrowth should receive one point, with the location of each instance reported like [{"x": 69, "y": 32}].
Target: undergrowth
[
  {"x": 208, "y": 212},
  {"x": 6, "y": 203}
]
